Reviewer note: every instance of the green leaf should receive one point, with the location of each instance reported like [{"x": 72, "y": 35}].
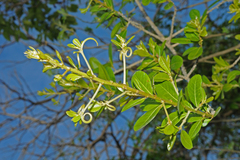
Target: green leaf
[
  {"x": 169, "y": 129},
  {"x": 146, "y": 118},
  {"x": 174, "y": 117},
  {"x": 76, "y": 42},
  {"x": 166, "y": 91},
  {"x": 186, "y": 140},
  {"x": 194, "y": 118},
  {"x": 176, "y": 62},
  {"x": 132, "y": 103},
  {"x": 95, "y": 106},
  {"x": 59, "y": 56},
  {"x": 181, "y": 40},
  {"x": 73, "y": 77},
  {"x": 110, "y": 54},
  {"x": 164, "y": 64},
  {"x": 195, "y": 128},
  {"x": 116, "y": 42},
  {"x": 149, "y": 104},
  {"x": 205, "y": 80},
  {"x": 237, "y": 37},
  {"x": 160, "y": 77},
  {"x": 227, "y": 87},
  {"x": 47, "y": 67},
  {"x": 189, "y": 50},
  {"x": 109, "y": 3},
  {"x": 168, "y": 6},
  {"x": 205, "y": 122},
  {"x": 232, "y": 75},
  {"x": 141, "y": 50},
  {"x": 115, "y": 29},
  {"x": 194, "y": 89},
  {"x": 142, "y": 82},
  {"x": 145, "y": 2},
  {"x": 171, "y": 142},
  {"x": 192, "y": 36},
  {"x": 71, "y": 113},
  {"x": 70, "y": 45},
  {"x": 71, "y": 62},
  {"x": 194, "y": 14},
  {"x": 180, "y": 108},
  {"x": 195, "y": 54},
  {"x": 76, "y": 118},
  {"x": 217, "y": 111}
]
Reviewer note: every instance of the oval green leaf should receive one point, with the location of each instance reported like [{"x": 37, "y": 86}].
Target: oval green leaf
[
  {"x": 142, "y": 82},
  {"x": 132, "y": 103},
  {"x": 194, "y": 89},
  {"x": 146, "y": 118},
  {"x": 166, "y": 91},
  {"x": 195, "y": 128},
  {"x": 176, "y": 62},
  {"x": 186, "y": 140}
]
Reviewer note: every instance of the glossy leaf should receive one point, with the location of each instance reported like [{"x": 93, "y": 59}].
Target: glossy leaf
[
  {"x": 181, "y": 40},
  {"x": 189, "y": 50},
  {"x": 73, "y": 77},
  {"x": 166, "y": 91},
  {"x": 149, "y": 104},
  {"x": 71, "y": 62},
  {"x": 76, "y": 42},
  {"x": 171, "y": 142},
  {"x": 168, "y": 6},
  {"x": 145, "y": 2},
  {"x": 194, "y": 89},
  {"x": 164, "y": 64},
  {"x": 146, "y": 118},
  {"x": 205, "y": 80},
  {"x": 115, "y": 29},
  {"x": 195, "y": 54},
  {"x": 205, "y": 122},
  {"x": 186, "y": 140},
  {"x": 141, "y": 50},
  {"x": 169, "y": 129},
  {"x": 132, "y": 103},
  {"x": 141, "y": 81},
  {"x": 195, "y": 128},
  {"x": 217, "y": 111},
  {"x": 160, "y": 77},
  {"x": 71, "y": 113},
  {"x": 232, "y": 75},
  {"x": 176, "y": 62},
  {"x": 194, "y": 14}
]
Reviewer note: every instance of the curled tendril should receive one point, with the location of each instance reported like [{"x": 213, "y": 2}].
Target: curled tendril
[
  {"x": 110, "y": 107},
  {"x": 85, "y": 40},
  {"x": 83, "y": 118},
  {"x": 124, "y": 52}
]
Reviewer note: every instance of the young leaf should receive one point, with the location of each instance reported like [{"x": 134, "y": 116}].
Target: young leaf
[
  {"x": 146, "y": 118},
  {"x": 142, "y": 82},
  {"x": 59, "y": 56},
  {"x": 194, "y": 89},
  {"x": 171, "y": 142},
  {"x": 176, "y": 62},
  {"x": 217, "y": 111},
  {"x": 71, "y": 113},
  {"x": 164, "y": 64},
  {"x": 166, "y": 91},
  {"x": 73, "y": 77},
  {"x": 186, "y": 140},
  {"x": 132, "y": 103},
  {"x": 71, "y": 61},
  {"x": 76, "y": 42},
  {"x": 195, "y": 128},
  {"x": 189, "y": 50}
]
